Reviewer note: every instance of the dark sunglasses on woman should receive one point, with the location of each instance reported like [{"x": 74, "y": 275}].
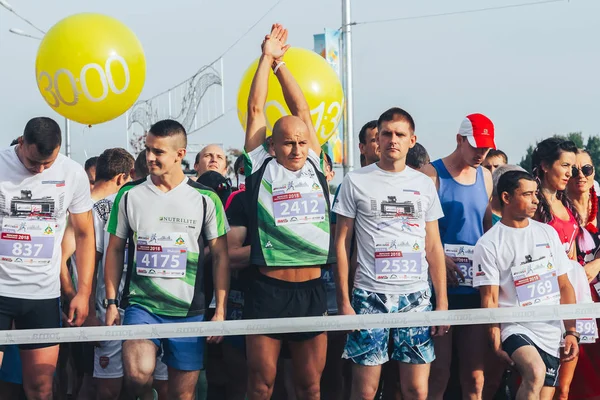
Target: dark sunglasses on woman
[{"x": 586, "y": 170}]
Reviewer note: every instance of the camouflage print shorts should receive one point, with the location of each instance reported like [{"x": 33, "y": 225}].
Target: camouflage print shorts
[{"x": 370, "y": 346}]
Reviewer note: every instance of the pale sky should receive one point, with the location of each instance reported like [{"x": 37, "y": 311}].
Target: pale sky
[{"x": 533, "y": 70}]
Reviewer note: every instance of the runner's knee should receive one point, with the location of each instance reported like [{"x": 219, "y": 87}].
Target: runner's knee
[
  {"x": 414, "y": 392},
  {"x": 534, "y": 375},
  {"x": 107, "y": 392},
  {"x": 39, "y": 389},
  {"x": 472, "y": 382}
]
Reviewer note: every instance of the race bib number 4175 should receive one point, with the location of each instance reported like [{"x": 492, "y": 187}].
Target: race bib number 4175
[{"x": 161, "y": 255}]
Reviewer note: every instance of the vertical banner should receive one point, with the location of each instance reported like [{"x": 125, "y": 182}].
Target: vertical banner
[{"x": 328, "y": 46}]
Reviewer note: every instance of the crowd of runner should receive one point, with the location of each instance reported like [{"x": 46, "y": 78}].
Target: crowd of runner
[{"x": 136, "y": 241}]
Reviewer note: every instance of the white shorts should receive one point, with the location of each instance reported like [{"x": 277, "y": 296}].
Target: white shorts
[
  {"x": 108, "y": 359},
  {"x": 108, "y": 362}
]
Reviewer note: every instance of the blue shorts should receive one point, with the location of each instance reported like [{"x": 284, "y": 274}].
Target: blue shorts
[
  {"x": 11, "y": 370},
  {"x": 184, "y": 354},
  {"x": 370, "y": 346}
]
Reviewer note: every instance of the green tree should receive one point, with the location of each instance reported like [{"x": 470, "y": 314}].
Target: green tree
[{"x": 593, "y": 147}]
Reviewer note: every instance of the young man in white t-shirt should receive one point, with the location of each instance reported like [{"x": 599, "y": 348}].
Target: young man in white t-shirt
[
  {"x": 520, "y": 263},
  {"x": 393, "y": 210},
  {"x": 38, "y": 186}
]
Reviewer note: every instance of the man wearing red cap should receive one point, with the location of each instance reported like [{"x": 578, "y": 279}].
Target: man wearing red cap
[{"x": 464, "y": 188}]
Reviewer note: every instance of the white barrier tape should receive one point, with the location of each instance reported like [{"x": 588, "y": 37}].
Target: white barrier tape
[{"x": 305, "y": 324}]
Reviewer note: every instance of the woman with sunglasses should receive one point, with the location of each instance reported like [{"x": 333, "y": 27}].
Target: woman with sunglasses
[
  {"x": 554, "y": 161},
  {"x": 586, "y": 376}
]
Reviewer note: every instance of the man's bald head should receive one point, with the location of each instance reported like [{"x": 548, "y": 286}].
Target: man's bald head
[
  {"x": 291, "y": 142},
  {"x": 211, "y": 158},
  {"x": 289, "y": 125}
]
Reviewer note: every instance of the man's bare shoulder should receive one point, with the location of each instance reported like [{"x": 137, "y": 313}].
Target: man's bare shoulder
[{"x": 430, "y": 171}]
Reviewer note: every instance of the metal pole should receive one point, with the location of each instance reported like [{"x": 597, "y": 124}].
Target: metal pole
[
  {"x": 347, "y": 79},
  {"x": 67, "y": 138},
  {"x": 127, "y": 132},
  {"x": 222, "y": 87}
]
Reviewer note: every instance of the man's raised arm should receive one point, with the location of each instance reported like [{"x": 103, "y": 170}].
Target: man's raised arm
[
  {"x": 273, "y": 48},
  {"x": 296, "y": 102}
]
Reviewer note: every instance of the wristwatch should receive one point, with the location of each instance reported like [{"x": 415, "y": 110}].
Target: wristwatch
[
  {"x": 108, "y": 302},
  {"x": 574, "y": 334}
]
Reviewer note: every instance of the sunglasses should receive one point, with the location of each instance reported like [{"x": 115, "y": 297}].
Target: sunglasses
[{"x": 586, "y": 170}]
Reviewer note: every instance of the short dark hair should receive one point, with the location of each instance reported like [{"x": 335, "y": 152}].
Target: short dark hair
[
  {"x": 396, "y": 113},
  {"x": 362, "y": 135},
  {"x": 140, "y": 166},
  {"x": 509, "y": 181},
  {"x": 417, "y": 156},
  {"x": 497, "y": 153},
  {"x": 197, "y": 160},
  {"x": 328, "y": 161},
  {"x": 113, "y": 162},
  {"x": 90, "y": 162},
  {"x": 45, "y": 133},
  {"x": 168, "y": 127},
  {"x": 239, "y": 163}
]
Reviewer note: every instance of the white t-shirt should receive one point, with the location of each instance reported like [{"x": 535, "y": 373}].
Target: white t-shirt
[
  {"x": 101, "y": 213},
  {"x": 390, "y": 210},
  {"x": 33, "y": 216},
  {"x": 501, "y": 249}
]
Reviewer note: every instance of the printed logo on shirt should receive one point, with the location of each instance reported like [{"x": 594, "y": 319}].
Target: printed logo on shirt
[
  {"x": 479, "y": 271},
  {"x": 415, "y": 192},
  {"x": 268, "y": 245},
  {"x": 102, "y": 208},
  {"x": 308, "y": 172},
  {"x": 546, "y": 245},
  {"x": 57, "y": 183},
  {"x": 176, "y": 220}
]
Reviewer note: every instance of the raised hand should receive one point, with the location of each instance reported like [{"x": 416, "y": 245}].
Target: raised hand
[{"x": 274, "y": 44}]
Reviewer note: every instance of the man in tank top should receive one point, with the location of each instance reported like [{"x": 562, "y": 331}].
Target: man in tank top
[{"x": 464, "y": 188}]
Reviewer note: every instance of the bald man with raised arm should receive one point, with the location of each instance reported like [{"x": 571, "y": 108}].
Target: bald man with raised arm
[{"x": 289, "y": 228}]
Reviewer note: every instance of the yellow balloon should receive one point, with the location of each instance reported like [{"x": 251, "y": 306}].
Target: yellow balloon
[
  {"x": 90, "y": 68},
  {"x": 319, "y": 83}
]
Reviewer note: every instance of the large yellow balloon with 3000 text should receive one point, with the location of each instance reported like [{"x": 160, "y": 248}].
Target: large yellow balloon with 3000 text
[
  {"x": 90, "y": 68},
  {"x": 319, "y": 83}
]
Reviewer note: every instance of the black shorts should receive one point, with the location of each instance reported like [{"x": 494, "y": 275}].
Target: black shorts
[
  {"x": 514, "y": 342},
  {"x": 266, "y": 297},
  {"x": 29, "y": 314},
  {"x": 464, "y": 301},
  {"x": 83, "y": 357}
]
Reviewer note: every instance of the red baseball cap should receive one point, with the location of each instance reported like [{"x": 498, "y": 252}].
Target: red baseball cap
[{"x": 479, "y": 131}]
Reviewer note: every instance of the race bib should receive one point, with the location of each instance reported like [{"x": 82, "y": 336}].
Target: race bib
[
  {"x": 161, "y": 255},
  {"x": 300, "y": 201},
  {"x": 536, "y": 283},
  {"x": 398, "y": 260},
  {"x": 462, "y": 255},
  {"x": 235, "y": 304},
  {"x": 597, "y": 287},
  {"x": 28, "y": 241},
  {"x": 328, "y": 279},
  {"x": 588, "y": 330}
]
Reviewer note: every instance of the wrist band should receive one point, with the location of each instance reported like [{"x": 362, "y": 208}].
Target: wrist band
[
  {"x": 278, "y": 66},
  {"x": 574, "y": 334}
]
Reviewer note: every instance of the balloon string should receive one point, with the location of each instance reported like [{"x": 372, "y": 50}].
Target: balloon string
[{"x": 83, "y": 131}]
